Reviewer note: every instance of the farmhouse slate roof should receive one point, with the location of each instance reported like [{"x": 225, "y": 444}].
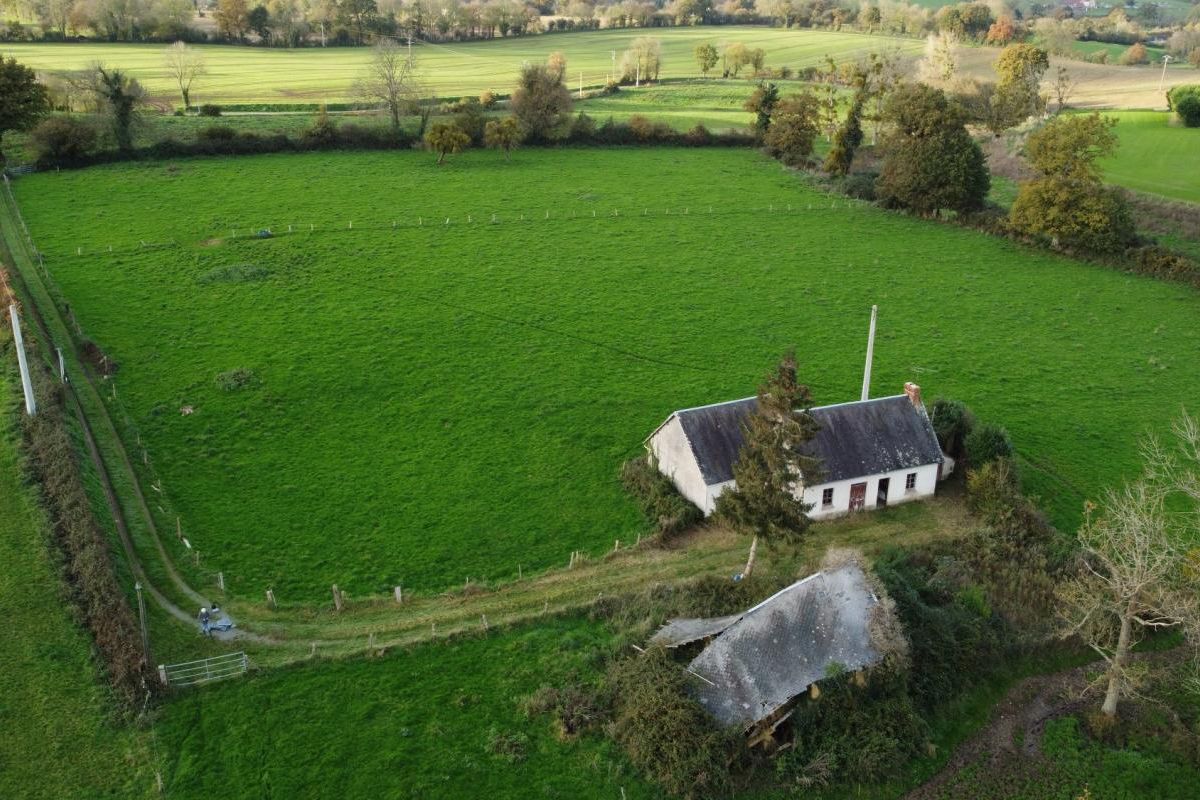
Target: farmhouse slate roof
[
  {"x": 775, "y": 650},
  {"x": 866, "y": 437}
]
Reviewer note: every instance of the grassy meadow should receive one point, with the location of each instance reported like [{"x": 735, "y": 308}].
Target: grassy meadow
[
  {"x": 1157, "y": 155},
  {"x": 419, "y": 724},
  {"x": 426, "y": 403},
  {"x": 52, "y": 699},
  {"x": 252, "y": 74}
]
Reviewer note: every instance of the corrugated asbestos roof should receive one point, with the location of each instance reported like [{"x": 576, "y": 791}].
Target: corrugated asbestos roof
[
  {"x": 681, "y": 631},
  {"x": 855, "y": 439},
  {"x": 785, "y": 643}
]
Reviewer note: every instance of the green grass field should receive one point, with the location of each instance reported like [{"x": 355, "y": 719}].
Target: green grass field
[
  {"x": 436, "y": 402},
  {"x": 1157, "y": 155},
  {"x": 415, "y": 724},
  {"x": 58, "y": 739},
  {"x": 250, "y": 74}
]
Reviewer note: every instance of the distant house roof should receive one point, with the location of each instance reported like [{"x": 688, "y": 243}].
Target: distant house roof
[
  {"x": 773, "y": 652},
  {"x": 867, "y": 437}
]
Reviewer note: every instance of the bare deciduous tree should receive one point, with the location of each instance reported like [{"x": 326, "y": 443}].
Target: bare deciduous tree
[
  {"x": 1138, "y": 572},
  {"x": 391, "y": 81},
  {"x": 184, "y": 64}
]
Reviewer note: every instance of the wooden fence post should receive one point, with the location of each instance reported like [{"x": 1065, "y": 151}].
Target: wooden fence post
[
  {"x": 337, "y": 598},
  {"x": 271, "y": 599},
  {"x": 398, "y": 593},
  {"x": 162, "y": 673}
]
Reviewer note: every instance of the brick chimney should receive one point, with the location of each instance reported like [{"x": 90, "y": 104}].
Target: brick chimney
[{"x": 914, "y": 395}]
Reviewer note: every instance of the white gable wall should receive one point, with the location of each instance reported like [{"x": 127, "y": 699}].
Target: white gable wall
[{"x": 671, "y": 449}]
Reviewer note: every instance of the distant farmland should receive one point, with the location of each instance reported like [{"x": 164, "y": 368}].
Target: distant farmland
[
  {"x": 428, "y": 403},
  {"x": 271, "y": 75}
]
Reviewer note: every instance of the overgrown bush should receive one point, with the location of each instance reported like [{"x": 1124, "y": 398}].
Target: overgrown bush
[
  {"x": 658, "y": 498},
  {"x": 62, "y": 140},
  {"x": 987, "y": 442},
  {"x": 665, "y": 732},
  {"x": 216, "y": 133},
  {"x": 950, "y": 642},
  {"x": 1159, "y": 262},
  {"x": 1010, "y": 554},
  {"x": 321, "y": 133},
  {"x": 1185, "y": 101},
  {"x": 853, "y": 733},
  {"x": 952, "y": 422},
  {"x": 210, "y": 110}
]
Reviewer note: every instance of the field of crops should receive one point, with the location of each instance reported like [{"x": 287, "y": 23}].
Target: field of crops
[
  {"x": 54, "y": 702},
  {"x": 251, "y": 74},
  {"x": 1157, "y": 155},
  {"x": 442, "y": 400}
]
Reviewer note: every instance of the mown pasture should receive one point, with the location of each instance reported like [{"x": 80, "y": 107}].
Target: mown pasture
[
  {"x": 52, "y": 697},
  {"x": 266, "y": 75},
  {"x": 424, "y": 404},
  {"x": 1157, "y": 155}
]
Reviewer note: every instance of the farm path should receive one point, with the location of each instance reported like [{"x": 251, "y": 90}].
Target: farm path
[{"x": 1011, "y": 741}]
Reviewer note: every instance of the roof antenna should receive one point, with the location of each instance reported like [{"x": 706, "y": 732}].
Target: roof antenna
[{"x": 870, "y": 355}]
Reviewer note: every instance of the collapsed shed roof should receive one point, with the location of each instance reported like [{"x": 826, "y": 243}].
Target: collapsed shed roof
[
  {"x": 868, "y": 437},
  {"x": 763, "y": 658}
]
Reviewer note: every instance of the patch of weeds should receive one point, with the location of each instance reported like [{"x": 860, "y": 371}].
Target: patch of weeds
[
  {"x": 507, "y": 746},
  {"x": 235, "y": 379}
]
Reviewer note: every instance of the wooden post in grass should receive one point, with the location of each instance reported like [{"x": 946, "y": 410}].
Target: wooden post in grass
[
  {"x": 483, "y": 618},
  {"x": 337, "y": 598},
  {"x": 271, "y": 599},
  {"x": 178, "y": 528},
  {"x": 221, "y": 581},
  {"x": 398, "y": 593}
]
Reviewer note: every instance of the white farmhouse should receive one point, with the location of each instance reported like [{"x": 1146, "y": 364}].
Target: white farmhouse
[{"x": 873, "y": 452}]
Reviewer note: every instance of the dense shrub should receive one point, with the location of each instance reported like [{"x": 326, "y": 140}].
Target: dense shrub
[
  {"x": 62, "y": 140},
  {"x": 216, "y": 133},
  {"x": 950, "y": 642},
  {"x": 1010, "y": 554},
  {"x": 666, "y": 733},
  {"x": 1159, "y": 262},
  {"x": 1185, "y": 101},
  {"x": 853, "y": 733},
  {"x": 987, "y": 442},
  {"x": 210, "y": 110},
  {"x": 660, "y": 501},
  {"x": 1135, "y": 55},
  {"x": 322, "y": 132},
  {"x": 952, "y": 422}
]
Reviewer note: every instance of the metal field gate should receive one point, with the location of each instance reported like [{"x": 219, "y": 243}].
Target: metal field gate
[{"x": 191, "y": 673}]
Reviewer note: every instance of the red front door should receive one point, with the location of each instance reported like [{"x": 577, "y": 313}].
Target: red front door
[{"x": 858, "y": 496}]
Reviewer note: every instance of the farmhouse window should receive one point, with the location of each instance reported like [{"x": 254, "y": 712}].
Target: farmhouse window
[
  {"x": 910, "y": 481},
  {"x": 827, "y": 498}
]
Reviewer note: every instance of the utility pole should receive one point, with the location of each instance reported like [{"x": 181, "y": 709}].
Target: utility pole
[
  {"x": 612, "y": 73},
  {"x": 866, "y": 387},
  {"x": 638, "y": 80},
  {"x": 580, "y": 85},
  {"x": 1166, "y": 59},
  {"x": 22, "y": 364},
  {"x": 142, "y": 618}
]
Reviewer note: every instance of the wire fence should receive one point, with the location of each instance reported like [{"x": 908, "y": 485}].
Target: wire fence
[{"x": 441, "y": 221}]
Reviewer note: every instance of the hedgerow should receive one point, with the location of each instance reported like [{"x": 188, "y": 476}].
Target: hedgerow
[{"x": 86, "y": 560}]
